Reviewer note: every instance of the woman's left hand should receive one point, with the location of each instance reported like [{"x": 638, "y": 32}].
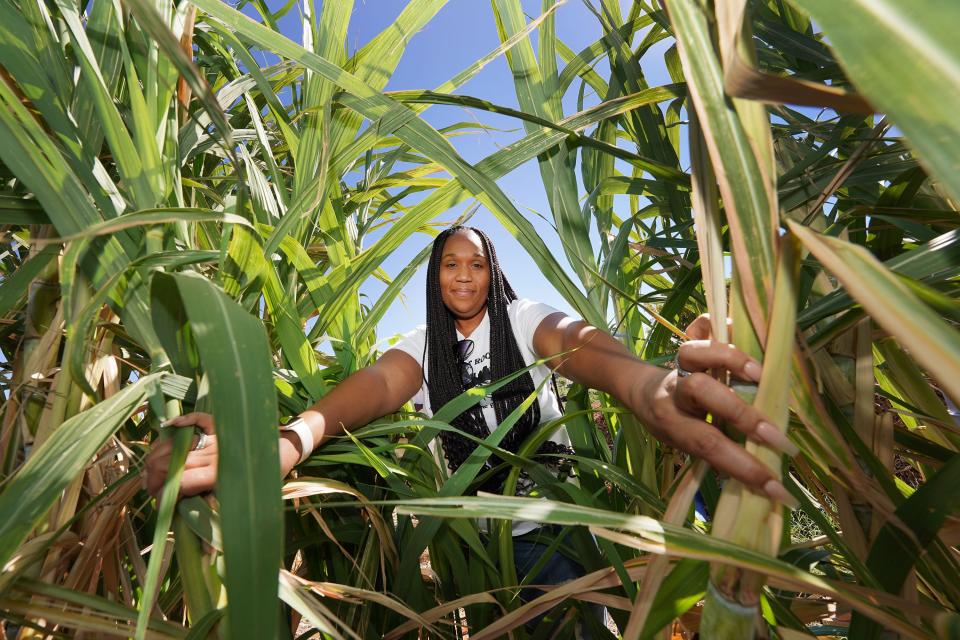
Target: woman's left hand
[{"x": 674, "y": 403}]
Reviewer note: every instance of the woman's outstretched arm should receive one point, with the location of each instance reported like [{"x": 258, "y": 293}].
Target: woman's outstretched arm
[
  {"x": 672, "y": 407},
  {"x": 362, "y": 397}
]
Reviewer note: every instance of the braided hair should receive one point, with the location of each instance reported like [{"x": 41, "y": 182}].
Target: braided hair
[{"x": 443, "y": 367}]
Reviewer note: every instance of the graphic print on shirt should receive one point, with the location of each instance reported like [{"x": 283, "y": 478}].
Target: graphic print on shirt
[{"x": 476, "y": 371}]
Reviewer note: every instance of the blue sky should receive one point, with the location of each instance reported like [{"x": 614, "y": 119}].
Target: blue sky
[{"x": 462, "y": 32}]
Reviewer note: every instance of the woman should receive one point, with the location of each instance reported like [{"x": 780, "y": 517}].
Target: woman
[{"x": 477, "y": 331}]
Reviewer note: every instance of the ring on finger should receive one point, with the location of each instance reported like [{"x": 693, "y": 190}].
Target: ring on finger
[
  {"x": 201, "y": 442},
  {"x": 681, "y": 372}
]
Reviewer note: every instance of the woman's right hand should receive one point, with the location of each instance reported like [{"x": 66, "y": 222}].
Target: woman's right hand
[{"x": 200, "y": 469}]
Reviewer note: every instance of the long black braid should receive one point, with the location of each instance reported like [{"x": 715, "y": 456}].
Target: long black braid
[{"x": 443, "y": 366}]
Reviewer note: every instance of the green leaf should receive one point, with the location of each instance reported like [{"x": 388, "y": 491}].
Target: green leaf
[
  {"x": 40, "y": 481},
  {"x": 936, "y": 260},
  {"x": 182, "y": 439},
  {"x": 682, "y": 589},
  {"x": 136, "y": 165},
  {"x": 750, "y": 212},
  {"x": 154, "y": 216},
  {"x": 657, "y": 537},
  {"x": 20, "y": 212},
  {"x": 556, "y": 169},
  {"x": 903, "y": 540},
  {"x": 235, "y": 356},
  {"x": 931, "y": 341},
  {"x": 14, "y": 287},
  {"x": 92, "y": 602},
  {"x": 200, "y": 630},
  {"x": 30, "y": 154},
  {"x": 904, "y": 58},
  {"x": 153, "y": 24}
]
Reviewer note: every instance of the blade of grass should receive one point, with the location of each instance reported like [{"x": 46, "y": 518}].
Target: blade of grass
[
  {"x": 896, "y": 550},
  {"x": 235, "y": 355},
  {"x": 657, "y": 537},
  {"x": 750, "y": 212},
  {"x": 932, "y": 342},
  {"x": 40, "y": 481},
  {"x": 894, "y": 54}
]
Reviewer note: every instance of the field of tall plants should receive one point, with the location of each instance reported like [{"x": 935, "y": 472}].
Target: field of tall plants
[{"x": 184, "y": 225}]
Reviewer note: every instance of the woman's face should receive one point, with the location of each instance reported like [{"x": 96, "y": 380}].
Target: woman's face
[{"x": 464, "y": 278}]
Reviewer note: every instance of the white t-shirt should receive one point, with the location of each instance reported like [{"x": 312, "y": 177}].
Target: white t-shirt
[{"x": 525, "y": 316}]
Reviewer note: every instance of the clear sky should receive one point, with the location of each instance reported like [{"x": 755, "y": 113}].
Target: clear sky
[{"x": 462, "y": 32}]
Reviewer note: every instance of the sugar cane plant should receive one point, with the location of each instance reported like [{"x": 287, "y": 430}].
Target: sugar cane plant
[{"x": 186, "y": 225}]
